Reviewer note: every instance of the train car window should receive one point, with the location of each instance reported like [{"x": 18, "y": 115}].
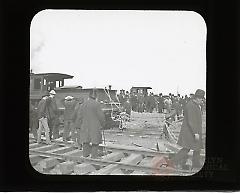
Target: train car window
[
  {"x": 37, "y": 83},
  {"x": 58, "y": 84}
]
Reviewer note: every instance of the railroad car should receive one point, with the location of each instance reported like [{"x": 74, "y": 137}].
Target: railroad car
[{"x": 42, "y": 83}]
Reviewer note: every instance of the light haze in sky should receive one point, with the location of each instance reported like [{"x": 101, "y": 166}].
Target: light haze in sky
[{"x": 165, "y": 50}]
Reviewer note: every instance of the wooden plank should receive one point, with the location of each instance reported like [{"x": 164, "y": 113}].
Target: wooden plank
[
  {"x": 68, "y": 149},
  {"x": 106, "y": 170},
  {"x": 35, "y": 145},
  {"x": 34, "y": 159},
  {"x": 75, "y": 152},
  {"x": 136, "y": 172},
  {"x": 115, "y": 156},
  {"x": 48, "y": 162},
  {"x": 144, "y": 162},
  {"x": 83, "y": 168},
  {"x": 38, "y": 168},
  {"x": 45, "y": 148},
  {"x": 66, "y": 167},
  {"x": 132, "y": 159},
  {"x": 55, "y": 150},
  {"x": 175, "y": 148},
  {"x": 117, "y": 172},
  {"x": 55, "y": 170}
]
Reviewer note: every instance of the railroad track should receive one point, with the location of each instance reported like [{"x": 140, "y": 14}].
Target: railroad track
[{"x": 65, "y": 158}]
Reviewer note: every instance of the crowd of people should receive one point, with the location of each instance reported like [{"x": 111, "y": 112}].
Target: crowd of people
[
  {"x": 140, "y": 102},
  {"x": 84, "y": 119}
]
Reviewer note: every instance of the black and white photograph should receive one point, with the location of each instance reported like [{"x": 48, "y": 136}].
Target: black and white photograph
[{"x": 117, "y": 92}]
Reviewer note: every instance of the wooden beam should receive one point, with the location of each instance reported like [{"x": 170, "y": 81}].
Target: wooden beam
[
  {"x": 48, "y": 162},
  {"x": 175, "y": 148},
  {"x": 34, "y": 159},
  {"x": 35, "y": 145},
  {"x": 75, "y": 152},
  {"x": 63, "y": 151},
  {"x": 106, "y": 170},
  {"x": 45, "y": 148},
  {"x": 132, "y": 159},
  {"x": 56, "y": 150},
  {"x": 83, "y": 168},
  {"x": 66, "y": 167},
  {"x": 115, "y": 156},
  {"x": 117, "y": 172},
  {"x": 144, "y": 162}
]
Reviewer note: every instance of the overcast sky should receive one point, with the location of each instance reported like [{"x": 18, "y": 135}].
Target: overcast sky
[{"x": 165, "y": 50}]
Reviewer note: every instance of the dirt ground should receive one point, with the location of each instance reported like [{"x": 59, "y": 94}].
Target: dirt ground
[{"x": 145, "y": 130}]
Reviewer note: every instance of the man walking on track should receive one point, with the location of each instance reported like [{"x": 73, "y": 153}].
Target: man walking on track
[
  {"x": 190, "y": 137},
  {"x": 92, "y": 120}
]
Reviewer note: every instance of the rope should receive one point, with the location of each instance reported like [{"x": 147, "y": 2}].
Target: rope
[
  {"x": 122, "y": 116},
  {"x": 171, "y": 134}
]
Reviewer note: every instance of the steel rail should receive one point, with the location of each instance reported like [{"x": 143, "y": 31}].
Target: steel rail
[{"x": 80, "y": 159}]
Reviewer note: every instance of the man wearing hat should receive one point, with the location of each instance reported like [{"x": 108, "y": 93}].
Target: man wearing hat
[
  {"x": 43, "y": 116},
  {"x": 92, "y": 120},
  {"x": 69, "y": 103},
  {"x": 53, "y": 116},
  {"x": 190, "y": 137}
]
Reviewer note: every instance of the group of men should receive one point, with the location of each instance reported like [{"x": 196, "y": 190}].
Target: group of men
[{"x": 83, "y": 121}]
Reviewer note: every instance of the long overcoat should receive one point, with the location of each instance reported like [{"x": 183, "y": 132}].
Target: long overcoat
[
  {"x": 69, "y": 109},
  {"x": 92, "y": 120},
  {"x": 192, "y": 124}
]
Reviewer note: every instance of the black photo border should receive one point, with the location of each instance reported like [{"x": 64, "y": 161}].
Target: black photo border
[{"x": 221, "y": 169}]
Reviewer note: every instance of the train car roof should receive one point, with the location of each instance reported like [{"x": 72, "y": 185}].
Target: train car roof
[
  {"x": 70, "y": 87},
  {"x": 141, "y": 87},
  {"x": 97, "y": 89},
  {"x": 53, "y": 75}
]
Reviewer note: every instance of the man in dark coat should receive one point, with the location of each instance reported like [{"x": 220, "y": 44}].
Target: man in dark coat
[
  {"x": 33, "y": 118},
  {"x": 177, "y": 107},
  {"x": 92, "y": 120},
  {"x": 69, "y": 104},
  {"x": 190, "y": 137},
  {"x": 127, "y": 107},
  {"x": 160, "y": 103},
  {"x": 77, "y": 123},
  {"x": 140, "y": 102},
  {"x": 53, "y": 119},
  {"x": 43, "y": 117},
  {"x": 152, "y": 102},
  {"x": 133, "y": 101}
]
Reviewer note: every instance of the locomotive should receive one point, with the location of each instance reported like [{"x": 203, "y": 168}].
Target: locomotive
[{"x": 42, "y": 83}]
